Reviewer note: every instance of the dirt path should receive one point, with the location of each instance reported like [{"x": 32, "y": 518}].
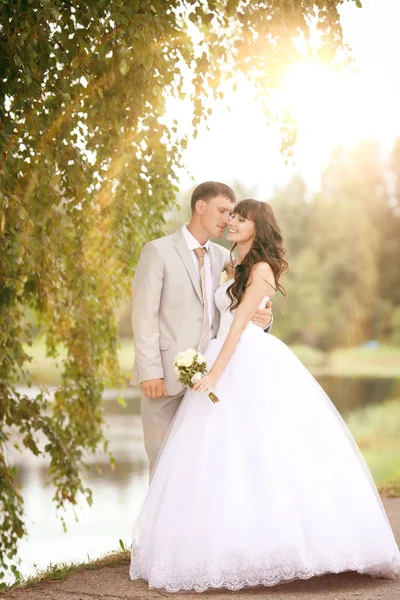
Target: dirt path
[{"x": 112, "y": 583}]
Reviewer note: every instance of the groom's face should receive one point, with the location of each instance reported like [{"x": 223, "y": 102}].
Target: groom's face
[{"x": 215, "y": 214}]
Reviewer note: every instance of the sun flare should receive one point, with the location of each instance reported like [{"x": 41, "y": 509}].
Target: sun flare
[{"x": 326, "y": 103}]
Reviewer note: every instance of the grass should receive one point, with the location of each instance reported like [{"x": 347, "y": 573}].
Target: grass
[
  {"x": 47, "y": 370},
  {"x": 364, "y": 362},
  {"x": 312, "y": 358},
  {"x": 343, "y": 362},
  {"x": 351, "y": 362},
  {"x": 376, "y": 430},
  {"x": 60, "y": 571},
  {"x": 391, "y": 488}
]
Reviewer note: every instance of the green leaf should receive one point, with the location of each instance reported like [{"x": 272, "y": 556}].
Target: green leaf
[
  {"x": 124, "y": 67},
  {"x": 148, "y": 61},
  {"x": 55, "y": 12}
]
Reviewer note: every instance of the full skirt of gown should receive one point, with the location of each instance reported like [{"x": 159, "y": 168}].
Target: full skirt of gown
[{"x": 266, "y": 486}]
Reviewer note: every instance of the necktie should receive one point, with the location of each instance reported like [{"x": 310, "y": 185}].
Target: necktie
[{"x": 205, "y": 331}]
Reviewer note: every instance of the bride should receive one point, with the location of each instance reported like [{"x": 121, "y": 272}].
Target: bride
[{"x": 268, "y": 485}]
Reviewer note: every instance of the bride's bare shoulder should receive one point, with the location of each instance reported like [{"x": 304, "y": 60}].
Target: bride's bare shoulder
[{"x": 263, "y": 271}]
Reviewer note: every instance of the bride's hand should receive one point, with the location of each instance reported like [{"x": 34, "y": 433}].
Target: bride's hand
[{"x": 206, "y": 383}]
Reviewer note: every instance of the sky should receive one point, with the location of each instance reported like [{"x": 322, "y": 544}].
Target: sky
[{"x": 331, "y": 109}]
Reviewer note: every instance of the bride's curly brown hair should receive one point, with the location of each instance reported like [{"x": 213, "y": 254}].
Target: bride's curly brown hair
[{"x": 267, "y": 247}]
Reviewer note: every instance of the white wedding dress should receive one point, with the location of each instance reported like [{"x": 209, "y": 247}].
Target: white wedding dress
[{"x": 264, "y": 487}]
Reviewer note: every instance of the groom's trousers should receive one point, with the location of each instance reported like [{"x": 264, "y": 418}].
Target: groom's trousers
[{"x": 157, "y": 416}]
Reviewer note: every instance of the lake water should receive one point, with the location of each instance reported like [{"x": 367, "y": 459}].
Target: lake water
[{"x": 118, "y": 495}]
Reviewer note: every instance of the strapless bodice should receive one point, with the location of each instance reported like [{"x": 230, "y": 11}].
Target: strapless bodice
[{"x": 223, "y": 302}]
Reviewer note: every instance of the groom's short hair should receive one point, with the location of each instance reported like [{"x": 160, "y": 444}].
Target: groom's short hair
[{"x": 210, "y": 189}]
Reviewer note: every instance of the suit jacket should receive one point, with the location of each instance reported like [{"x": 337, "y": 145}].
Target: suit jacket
[{"x": 167, "y": 306}]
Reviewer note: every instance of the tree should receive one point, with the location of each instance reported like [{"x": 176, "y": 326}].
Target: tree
[
  {"x": 342, "y": 247},
  {"x": 302, "y": 307},
  {"x": 390, "y": 252},
  {"x": 347, "y": 238},
  {"x": 88, "y": 170}
]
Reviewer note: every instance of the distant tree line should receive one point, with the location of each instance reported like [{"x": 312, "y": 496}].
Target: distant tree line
[{"x": 344, "y": 251}]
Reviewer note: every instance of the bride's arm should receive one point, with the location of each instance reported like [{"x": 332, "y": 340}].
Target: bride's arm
[{"x": 262, "y": 284}]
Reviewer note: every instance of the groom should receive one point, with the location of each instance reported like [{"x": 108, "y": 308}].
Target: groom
[{"x": 173, "y": 306}]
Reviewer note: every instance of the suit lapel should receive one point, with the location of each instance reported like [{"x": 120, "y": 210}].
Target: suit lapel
[
  {"x": 184, "y": 252},
  {"x": 215, "y": 266}
]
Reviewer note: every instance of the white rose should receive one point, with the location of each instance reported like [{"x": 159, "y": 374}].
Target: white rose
[
  {"x": 196, "y": 378},
  {"x": 185, "y": 359},
  {"x": 201, "y": 359},
  {"x": 184, "y": 362},
  {"x": 178, "y": 356},
  {"x": 223, "y": 278},
  {"x": 177, "y": 371}
]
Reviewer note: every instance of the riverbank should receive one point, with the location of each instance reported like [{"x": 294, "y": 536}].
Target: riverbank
[
  {"x": 109, "y": 579},
  {"x": 383, "y": 361}
]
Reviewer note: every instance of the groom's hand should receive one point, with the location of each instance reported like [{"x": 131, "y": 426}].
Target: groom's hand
[
  {"x": 263, "y": 316},
  {"x": 154, "y": 388}
]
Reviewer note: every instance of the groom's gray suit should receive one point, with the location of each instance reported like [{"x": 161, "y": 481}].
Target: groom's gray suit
[{"x": 167, "y": 314}]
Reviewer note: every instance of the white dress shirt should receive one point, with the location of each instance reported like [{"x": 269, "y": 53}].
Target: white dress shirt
[{"x": 192, "y": 244}]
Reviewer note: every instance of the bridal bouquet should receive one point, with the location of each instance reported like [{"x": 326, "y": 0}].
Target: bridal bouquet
[{"x": 190, "y": 366}]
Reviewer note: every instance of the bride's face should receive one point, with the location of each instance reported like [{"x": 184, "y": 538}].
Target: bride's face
[{"x": 240, "y": 229}]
